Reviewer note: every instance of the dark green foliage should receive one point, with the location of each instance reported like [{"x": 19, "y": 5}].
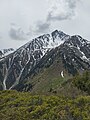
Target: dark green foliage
[
  {"x": 24, "y": 106},
  {"x": 83, "y": 82}
]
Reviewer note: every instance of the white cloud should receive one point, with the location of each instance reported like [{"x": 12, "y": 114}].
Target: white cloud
[{"x": 61, "y": 9}]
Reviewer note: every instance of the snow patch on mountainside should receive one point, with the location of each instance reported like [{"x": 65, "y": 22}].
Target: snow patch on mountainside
[
  {"x": 62, "y": 74},
  {"x": 84, "y": 57}
]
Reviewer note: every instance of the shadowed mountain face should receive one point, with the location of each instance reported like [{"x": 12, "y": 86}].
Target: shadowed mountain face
[{"x": 59, "y": 52}]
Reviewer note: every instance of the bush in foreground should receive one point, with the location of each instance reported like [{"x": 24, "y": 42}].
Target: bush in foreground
[{"x": 24, "y": 106}]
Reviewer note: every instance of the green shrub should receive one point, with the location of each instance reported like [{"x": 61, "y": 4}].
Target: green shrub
[
  {"x": 82, "y": 82},
  {"x": 24, "y": 106}
]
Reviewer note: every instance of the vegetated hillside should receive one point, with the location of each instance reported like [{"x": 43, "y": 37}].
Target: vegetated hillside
[
  {"x": 50, "y": 81},
  {"x": 69, "y": 101},
  {"x": 24, "y": 106},
  {"x": 82, "y": 82}
]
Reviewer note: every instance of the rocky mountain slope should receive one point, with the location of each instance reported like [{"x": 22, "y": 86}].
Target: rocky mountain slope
[
  {"x": 5, "y": 52},
  {"x": 63, "y": 54},
  {"x": 57, "y": 66}
]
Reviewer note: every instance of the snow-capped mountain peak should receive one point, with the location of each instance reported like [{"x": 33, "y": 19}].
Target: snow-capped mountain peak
[
  {"x": 52, "y": 40},
  {"x": 21, "y": 62}
]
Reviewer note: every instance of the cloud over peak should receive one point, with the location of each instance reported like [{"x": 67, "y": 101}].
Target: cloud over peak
[
  {"x": 42, "y": 26},
  {"x": 58, "y": 10}
]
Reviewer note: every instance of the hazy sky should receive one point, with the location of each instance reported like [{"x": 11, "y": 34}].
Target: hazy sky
[{"x": 22, "y": 20}]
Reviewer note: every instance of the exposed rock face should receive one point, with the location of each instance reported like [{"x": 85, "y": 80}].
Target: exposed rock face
[{"x": 74, "y": 52}]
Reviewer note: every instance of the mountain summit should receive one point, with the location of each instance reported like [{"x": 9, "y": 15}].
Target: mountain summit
[{"x": 72, "y": 52}]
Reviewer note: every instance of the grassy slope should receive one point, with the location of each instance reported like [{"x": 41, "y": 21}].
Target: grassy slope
[
  {"x": 49, "y": 78},
  {"x": 50, "y": 81}
]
